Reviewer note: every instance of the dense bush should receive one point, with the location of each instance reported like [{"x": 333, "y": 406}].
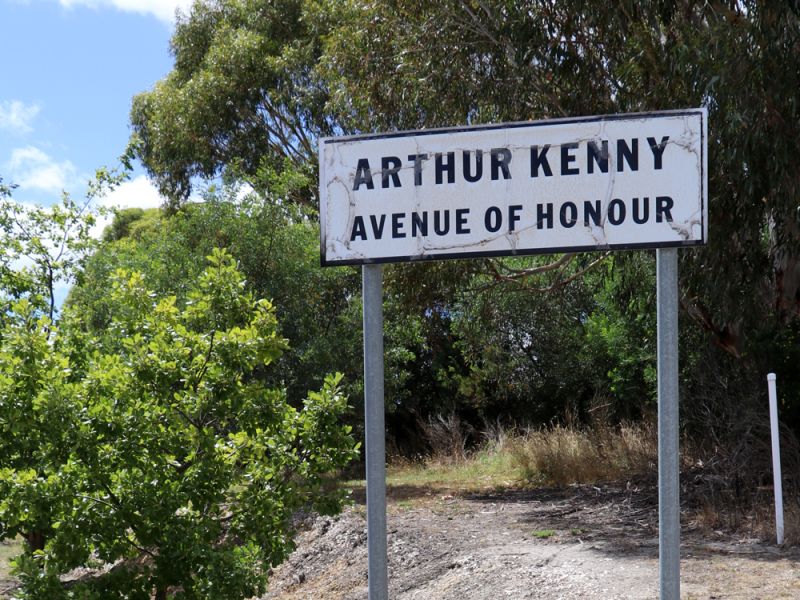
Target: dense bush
[{"x": 155, "y": 448}]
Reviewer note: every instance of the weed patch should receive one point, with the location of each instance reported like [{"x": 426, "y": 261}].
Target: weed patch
[{"x": 543, "y": 534}]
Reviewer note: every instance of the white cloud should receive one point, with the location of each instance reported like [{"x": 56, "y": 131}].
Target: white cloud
[
  {"x": 244, "y": 190},
  {"x": 17, "y": 116},
  {"x": 139, "y": 192},
  {"x": 33, "y": 169},
  {"x": 161, "y": 9}
]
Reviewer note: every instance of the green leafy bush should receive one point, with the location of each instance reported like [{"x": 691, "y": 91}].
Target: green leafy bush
[{"x": 155, "y": 453}]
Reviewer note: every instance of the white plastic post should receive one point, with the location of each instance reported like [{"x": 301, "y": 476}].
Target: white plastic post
[{"x": 776, "y": 457}]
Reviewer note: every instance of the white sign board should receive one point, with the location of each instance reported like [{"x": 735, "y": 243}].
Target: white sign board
[{"x": 565, "y": 185}]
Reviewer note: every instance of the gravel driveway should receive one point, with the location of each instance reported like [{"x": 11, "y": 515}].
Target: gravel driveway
[{"x": 584, "y": 542}]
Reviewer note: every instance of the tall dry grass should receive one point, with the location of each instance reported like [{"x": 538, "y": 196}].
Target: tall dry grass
[
  {"x": 558, "y": 455},
  {"x": 447, "y": 437},
  {"x": 562, "y": 455}
]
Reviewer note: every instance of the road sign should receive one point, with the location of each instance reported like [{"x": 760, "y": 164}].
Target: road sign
[{"x": 564, "y": 185}]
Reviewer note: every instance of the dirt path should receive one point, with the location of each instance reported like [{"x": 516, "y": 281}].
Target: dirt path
[{"x": 582, "y": 543}]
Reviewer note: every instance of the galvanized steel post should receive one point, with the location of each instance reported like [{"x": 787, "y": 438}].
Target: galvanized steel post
[
  {"x": 372, "y": 294},
  {"x": 669, "y": 514}
]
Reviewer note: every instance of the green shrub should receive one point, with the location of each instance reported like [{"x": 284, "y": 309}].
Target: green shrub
[{"x": 157, "y": 449}]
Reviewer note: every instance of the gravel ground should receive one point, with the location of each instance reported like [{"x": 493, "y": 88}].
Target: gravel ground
[
  {"x": 583, "y": 542},
  {"x": 580, "y": 543}
]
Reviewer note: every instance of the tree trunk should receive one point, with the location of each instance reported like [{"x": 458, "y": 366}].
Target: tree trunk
[{"x": 35, "y": 539}]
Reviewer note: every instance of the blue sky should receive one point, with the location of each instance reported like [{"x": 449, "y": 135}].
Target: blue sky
[{"x": 68, "y": 72}]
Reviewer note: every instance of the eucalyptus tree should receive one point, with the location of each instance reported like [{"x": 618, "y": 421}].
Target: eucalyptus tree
[
  {"x": 313, "y": 67},
  {"x": 256, "y": 82},
  {"x": 244, "y": 96},
  {"x": 400, "y": 64}
]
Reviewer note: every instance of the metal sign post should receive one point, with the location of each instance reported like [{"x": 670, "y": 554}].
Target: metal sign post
[
  {"x": 372, "y": 294},
  {"x": 669, "y": 513}
]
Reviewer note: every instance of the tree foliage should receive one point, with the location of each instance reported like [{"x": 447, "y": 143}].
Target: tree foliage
[
  {"x": 43, "y": 248},
  {"x": 275, "y": 247},
  {"x": 244, "y": 95},
  {"x": 395, "y": 64},
  {"x": 319, "y": 310},
  {"x": 457, "y": 62},
  {"x": 154, "y": 447}
]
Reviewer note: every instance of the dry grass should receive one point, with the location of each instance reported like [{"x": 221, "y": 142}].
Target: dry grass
[
  {"x": 555, "y": 455},
  {"x": 481, "y": 470},
  {"x": 791, "y": 526},
  {"x": 757, "y": 521},
  {"x": 447, "y": 438},
  {"x": 561, "y": 455},
  {"x": 564, "y": 455}
]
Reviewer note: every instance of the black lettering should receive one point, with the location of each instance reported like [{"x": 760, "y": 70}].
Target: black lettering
[
  {"x": 629, "y": 154},
  {"x": 359, "y": 231},
  {"x": 539, "y": 159},
  {"x": 568, "y": 215},
  {"x": 397, "y": 225},
  {"x": 513, "y": 215},
  {"x": 664, "y": 206},
  {"x": 616, "y": 211},
  {"x": 419, "y": 224},
  {"x": 363, "y": 175},
  {"x": 390, "y": 165},
  {"x": 461, "y": 220},
  {"x": 597, "y": 156},
  {"x": 493, "y": 219},
  {"x": 567, "y": 157},
  {"x": 417, "y": 160},
  {"x": 501, "y": 158},
  {"x": 658, "y": 150},
  {"x": 640, "y": 215},
  {"x": 449, "y": 167},
  {"x": 544, "y": 215},
  {"x": 478, "y": 166},
  {"x": 377, "y": 226},
  {"x": 439, "y": 227},
  {"x": 591, "y": 210}
]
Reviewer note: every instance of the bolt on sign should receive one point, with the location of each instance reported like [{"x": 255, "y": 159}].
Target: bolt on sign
[{"x": 562, "y": 185}]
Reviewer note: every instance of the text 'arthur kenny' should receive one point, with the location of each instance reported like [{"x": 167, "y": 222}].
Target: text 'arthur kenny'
[{"x": 572, "y": 158}]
